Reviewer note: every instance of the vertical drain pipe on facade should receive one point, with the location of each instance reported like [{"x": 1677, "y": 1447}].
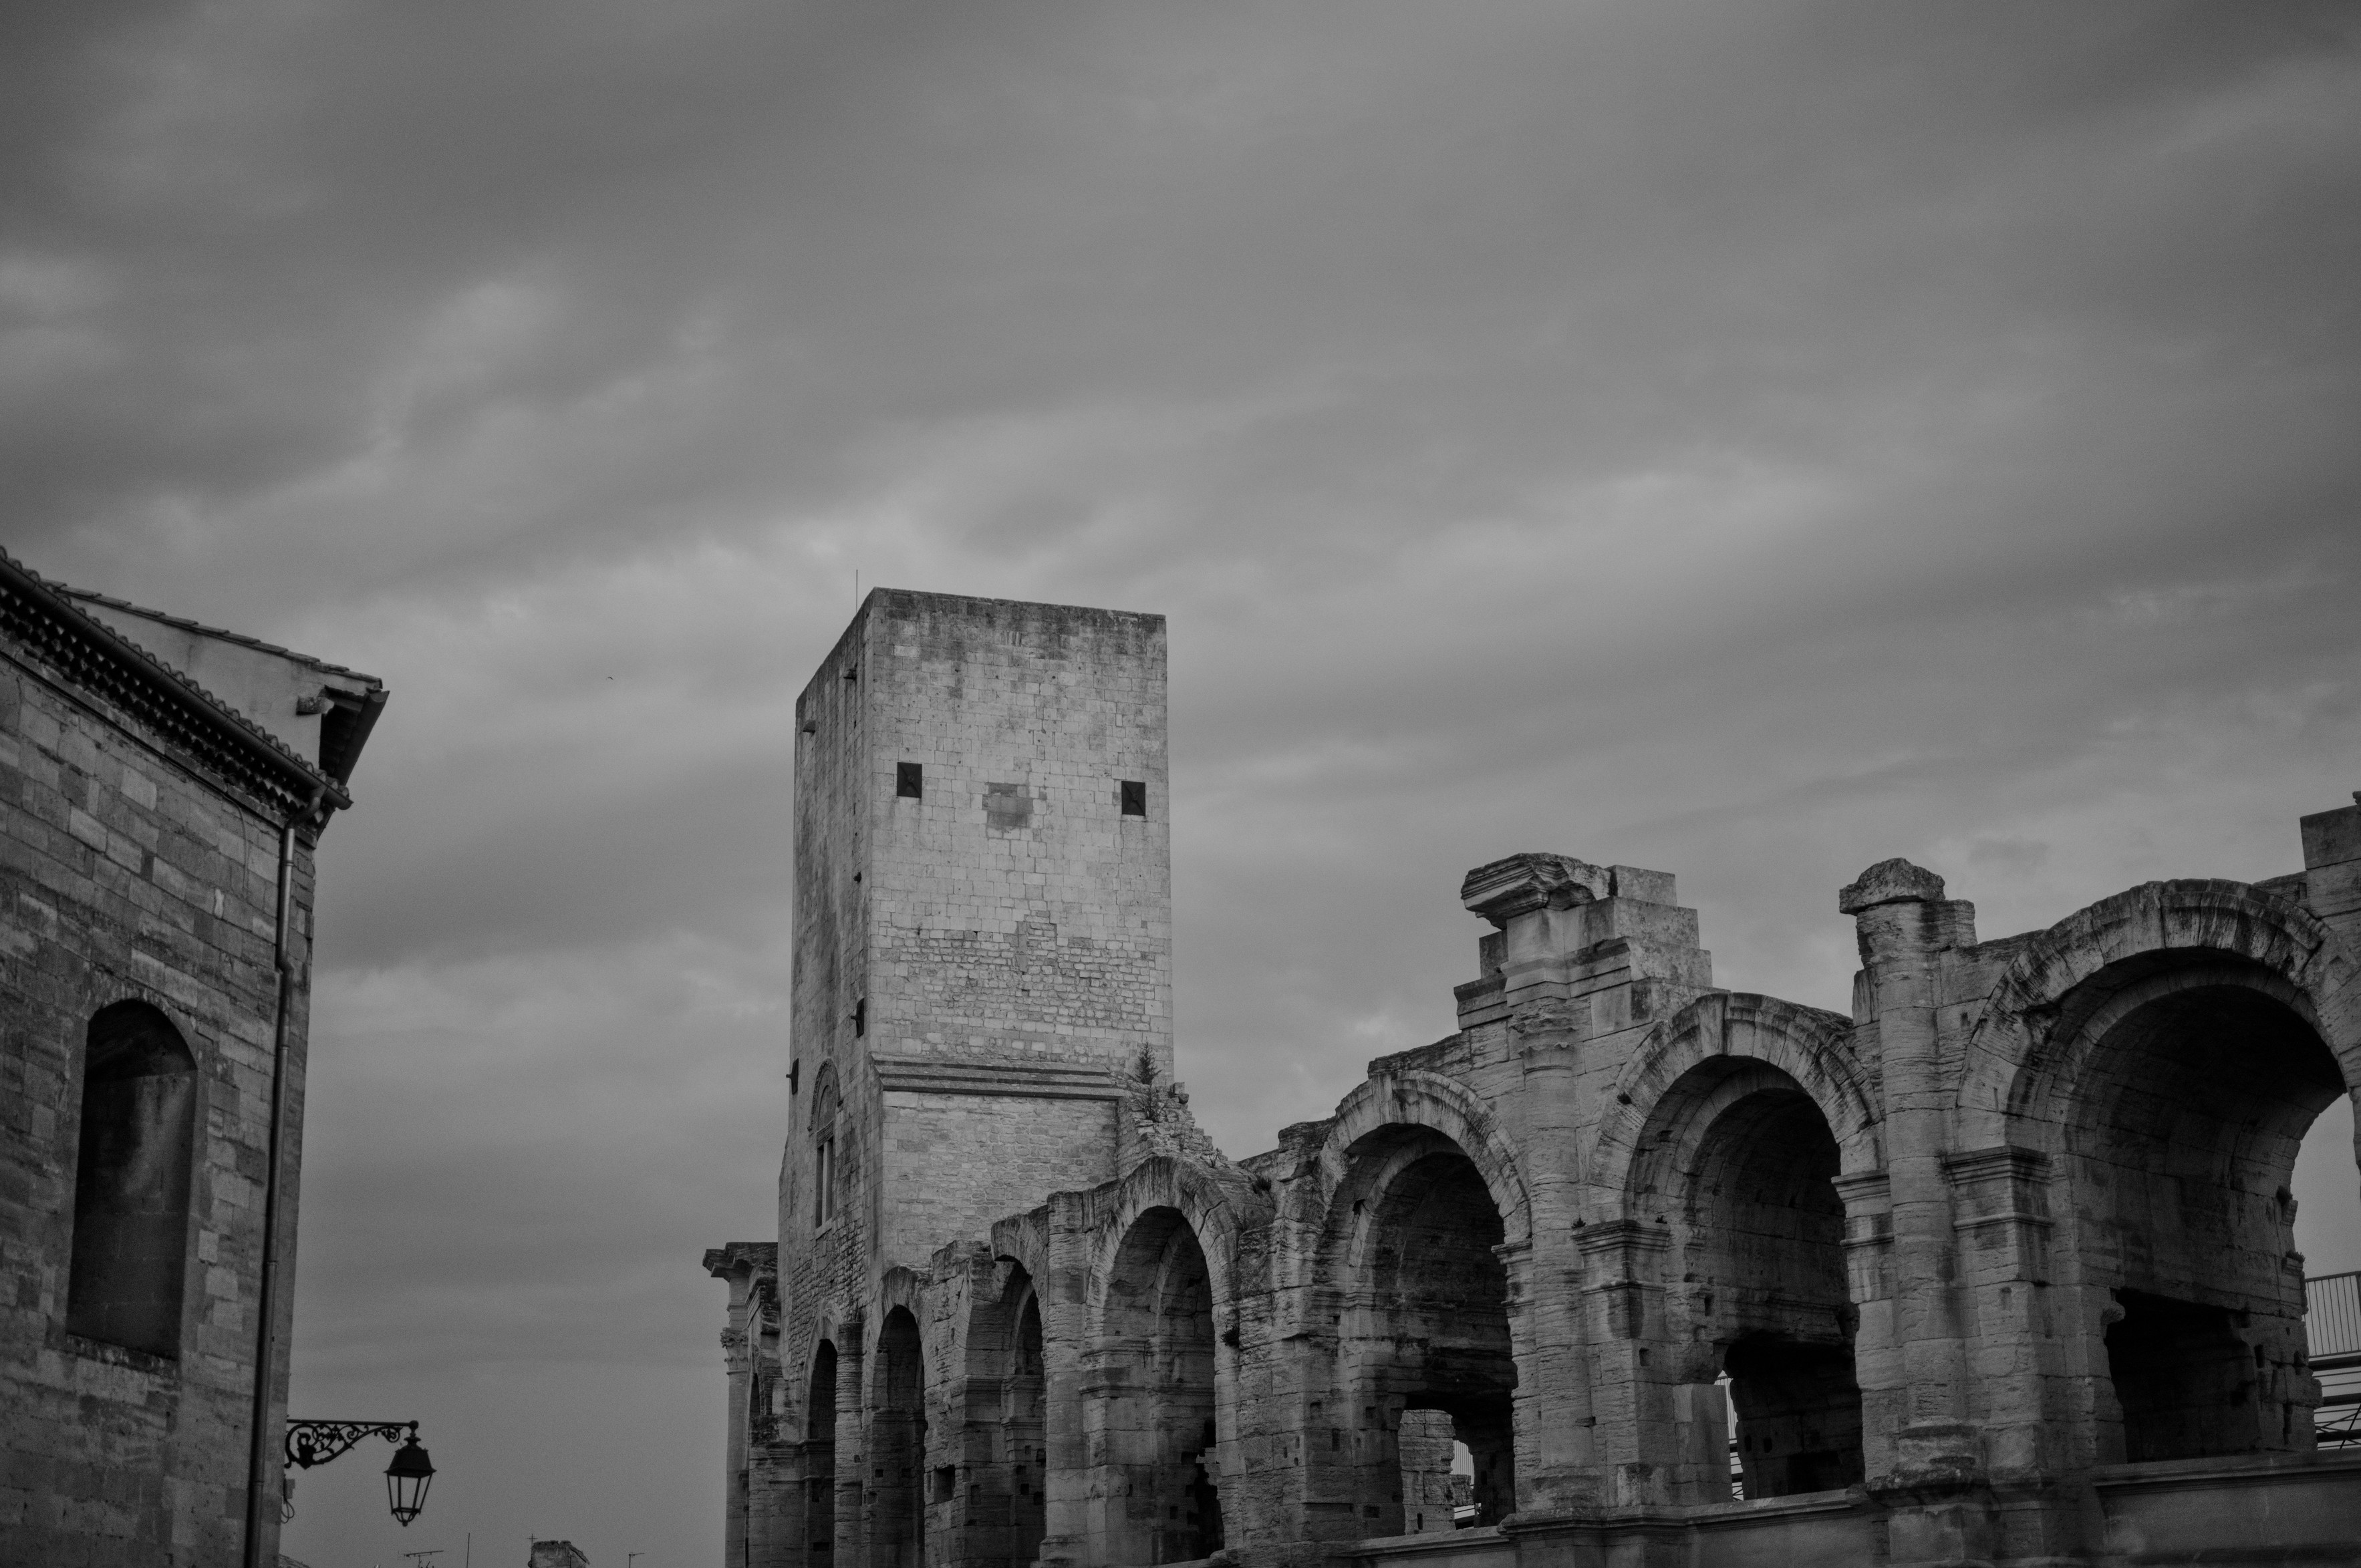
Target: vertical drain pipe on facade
[{"x": 267, "y": 1289}]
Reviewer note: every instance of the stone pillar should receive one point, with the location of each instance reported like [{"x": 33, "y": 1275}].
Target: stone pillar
[
  {"x": 1556, "y": 1467},
  {"x": 1935, "y": 1474},
  {"x": 2332, "y": 868},
  {"x": 1065, "y": 1344},
  {"x": 739, "y": 1364},
  {"x": 1622, "y": 1326},
  {"x": 1868, "y": 1198}
]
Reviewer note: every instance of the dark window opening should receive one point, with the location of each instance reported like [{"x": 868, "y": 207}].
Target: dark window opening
[
  {"x": 860, "y": 1017},
  {"x": 1798, "y": 1411},
  {"x": 131, "y": 1181},
  {"x": 945, "y": 1483},
  {"x": 2183, "y": 1375},
  {"x": 1135, "y": 797},
  {"x": 910, "y": 780}
]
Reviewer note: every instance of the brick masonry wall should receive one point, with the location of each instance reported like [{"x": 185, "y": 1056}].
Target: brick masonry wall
[{"x": 124, "y": 876}]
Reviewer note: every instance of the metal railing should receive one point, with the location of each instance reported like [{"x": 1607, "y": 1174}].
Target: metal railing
[{"x": 2332, "y": 1332}]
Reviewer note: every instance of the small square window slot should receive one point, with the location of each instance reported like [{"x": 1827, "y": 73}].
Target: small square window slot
[
  {"x": 909, "y": 781},
  {"x": 1135, "y": 797}
]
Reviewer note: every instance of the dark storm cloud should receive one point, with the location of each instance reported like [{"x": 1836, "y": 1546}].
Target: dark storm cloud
[{"x": 1751, "y": 442}]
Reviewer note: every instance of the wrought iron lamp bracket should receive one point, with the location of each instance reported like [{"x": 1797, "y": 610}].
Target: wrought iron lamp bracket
[{"x": 316, "y": 1442}]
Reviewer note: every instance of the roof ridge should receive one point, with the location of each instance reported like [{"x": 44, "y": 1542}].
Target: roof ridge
[
  {"x": 222, "y": 632},
  {"x": 221, "y": 709}
]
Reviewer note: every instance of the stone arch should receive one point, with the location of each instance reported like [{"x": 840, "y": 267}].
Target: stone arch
[
  {"x": 1207, "y": 1203},
  {"x": 1412, "y": 1267},
  {"x": 135, "y": 1167},
  {"x": 1733, "y": 1215},
  {"x": 1441, "y": 1105},
  {"x": 1161, "y": 1363},
  {"x": 2152, "y": 1063},
  {"x": 1811, "y": 1047},
  {"x": 817, "y": 1451},
  {"x": 2016, "y": 1049},
  {"x": 1023, "y": 1241},
  {"x": 1005, "y": 1440},
  {"x": 896, "y": 1499}
]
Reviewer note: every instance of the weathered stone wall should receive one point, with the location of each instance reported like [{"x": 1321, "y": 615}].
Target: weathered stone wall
[
  {"x": 1991, "y": 1269},
  {"x": 130, "y": 874}
]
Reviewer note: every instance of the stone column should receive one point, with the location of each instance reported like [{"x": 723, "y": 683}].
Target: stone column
[
  {"x": 1065, "y": 1345},
  {"x": 1556, "y": 1467},
  {"x": 1935, "y": 1477},
  {"x": 851, "y": 1442},
  {"x": 739, "y": 1364}
]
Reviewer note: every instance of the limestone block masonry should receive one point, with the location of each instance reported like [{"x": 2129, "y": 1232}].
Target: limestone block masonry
[
  {"x": 156, "y": 874},
  {"x": 1995, "y": 1267}
]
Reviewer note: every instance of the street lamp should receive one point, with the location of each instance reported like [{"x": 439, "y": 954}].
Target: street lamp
[
  {"x": 316, "y": 1442},
  {"x": 406, "y": 1479}
]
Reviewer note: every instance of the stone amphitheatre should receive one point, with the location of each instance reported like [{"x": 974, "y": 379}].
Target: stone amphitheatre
[{"x": 1997, "y": 1267}]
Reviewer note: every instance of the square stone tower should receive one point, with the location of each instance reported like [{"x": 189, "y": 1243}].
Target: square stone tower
[{"x": 983, "y": 921}]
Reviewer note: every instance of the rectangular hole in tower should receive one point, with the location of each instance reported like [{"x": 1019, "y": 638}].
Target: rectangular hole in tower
[
  {"x": 910, "y": 780},
  {"x": 1135, "y": 797}
]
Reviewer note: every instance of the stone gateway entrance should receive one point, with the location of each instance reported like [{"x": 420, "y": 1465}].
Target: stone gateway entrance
[{"x": 1996, "y": 1268}]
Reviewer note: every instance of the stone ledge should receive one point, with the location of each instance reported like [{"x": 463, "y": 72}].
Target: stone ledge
[{"x": 1011, "y": 1081}]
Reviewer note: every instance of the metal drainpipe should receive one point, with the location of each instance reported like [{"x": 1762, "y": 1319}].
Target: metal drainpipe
[{"x": 266, "y": 1292}]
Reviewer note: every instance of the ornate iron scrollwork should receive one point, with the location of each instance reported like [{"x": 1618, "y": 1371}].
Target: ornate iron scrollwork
[{"x": 316, "y": 1442}]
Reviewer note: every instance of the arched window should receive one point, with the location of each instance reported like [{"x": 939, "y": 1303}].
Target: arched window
[
  {"x": 131, "y": 1181},
  {"x": 824, "y": 1148}
]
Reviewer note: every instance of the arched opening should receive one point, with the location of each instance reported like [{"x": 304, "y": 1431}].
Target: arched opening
[
  {"x": 826, "y": 1157},
  {"x": 819, "y": 1459},
  {"x": 1156, "y": 1426},
  {"x": 2328, "y": 1234},
  {"x": 1425, "y": 1368},
  {"x": 131, "y": 1181},
  {"x": 1005, "y": 1508},
  {"x": 1024, "y": 1437},
  {"x": 2182, "y": 1129},
  {"x": 1745, "y": 1158},
  {"x": 897, "y": 1448}
]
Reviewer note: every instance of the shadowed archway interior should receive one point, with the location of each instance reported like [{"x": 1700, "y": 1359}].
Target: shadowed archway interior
[
  {"x": 1156, "y": 1422},
  {"x": 1764, "y": 1254},
  {"x": 2182, "y": 1131},
  {"x": 1424, "y": 1357}
]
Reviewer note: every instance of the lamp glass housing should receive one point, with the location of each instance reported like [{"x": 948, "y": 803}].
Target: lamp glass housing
[{"x": 406, "y": 1480}]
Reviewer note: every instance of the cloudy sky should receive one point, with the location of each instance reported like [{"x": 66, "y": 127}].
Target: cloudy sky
[{"x": 1749, "y": 441}]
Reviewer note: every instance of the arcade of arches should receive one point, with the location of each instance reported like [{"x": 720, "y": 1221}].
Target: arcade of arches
[{"x": 1998, "y": 1267}]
